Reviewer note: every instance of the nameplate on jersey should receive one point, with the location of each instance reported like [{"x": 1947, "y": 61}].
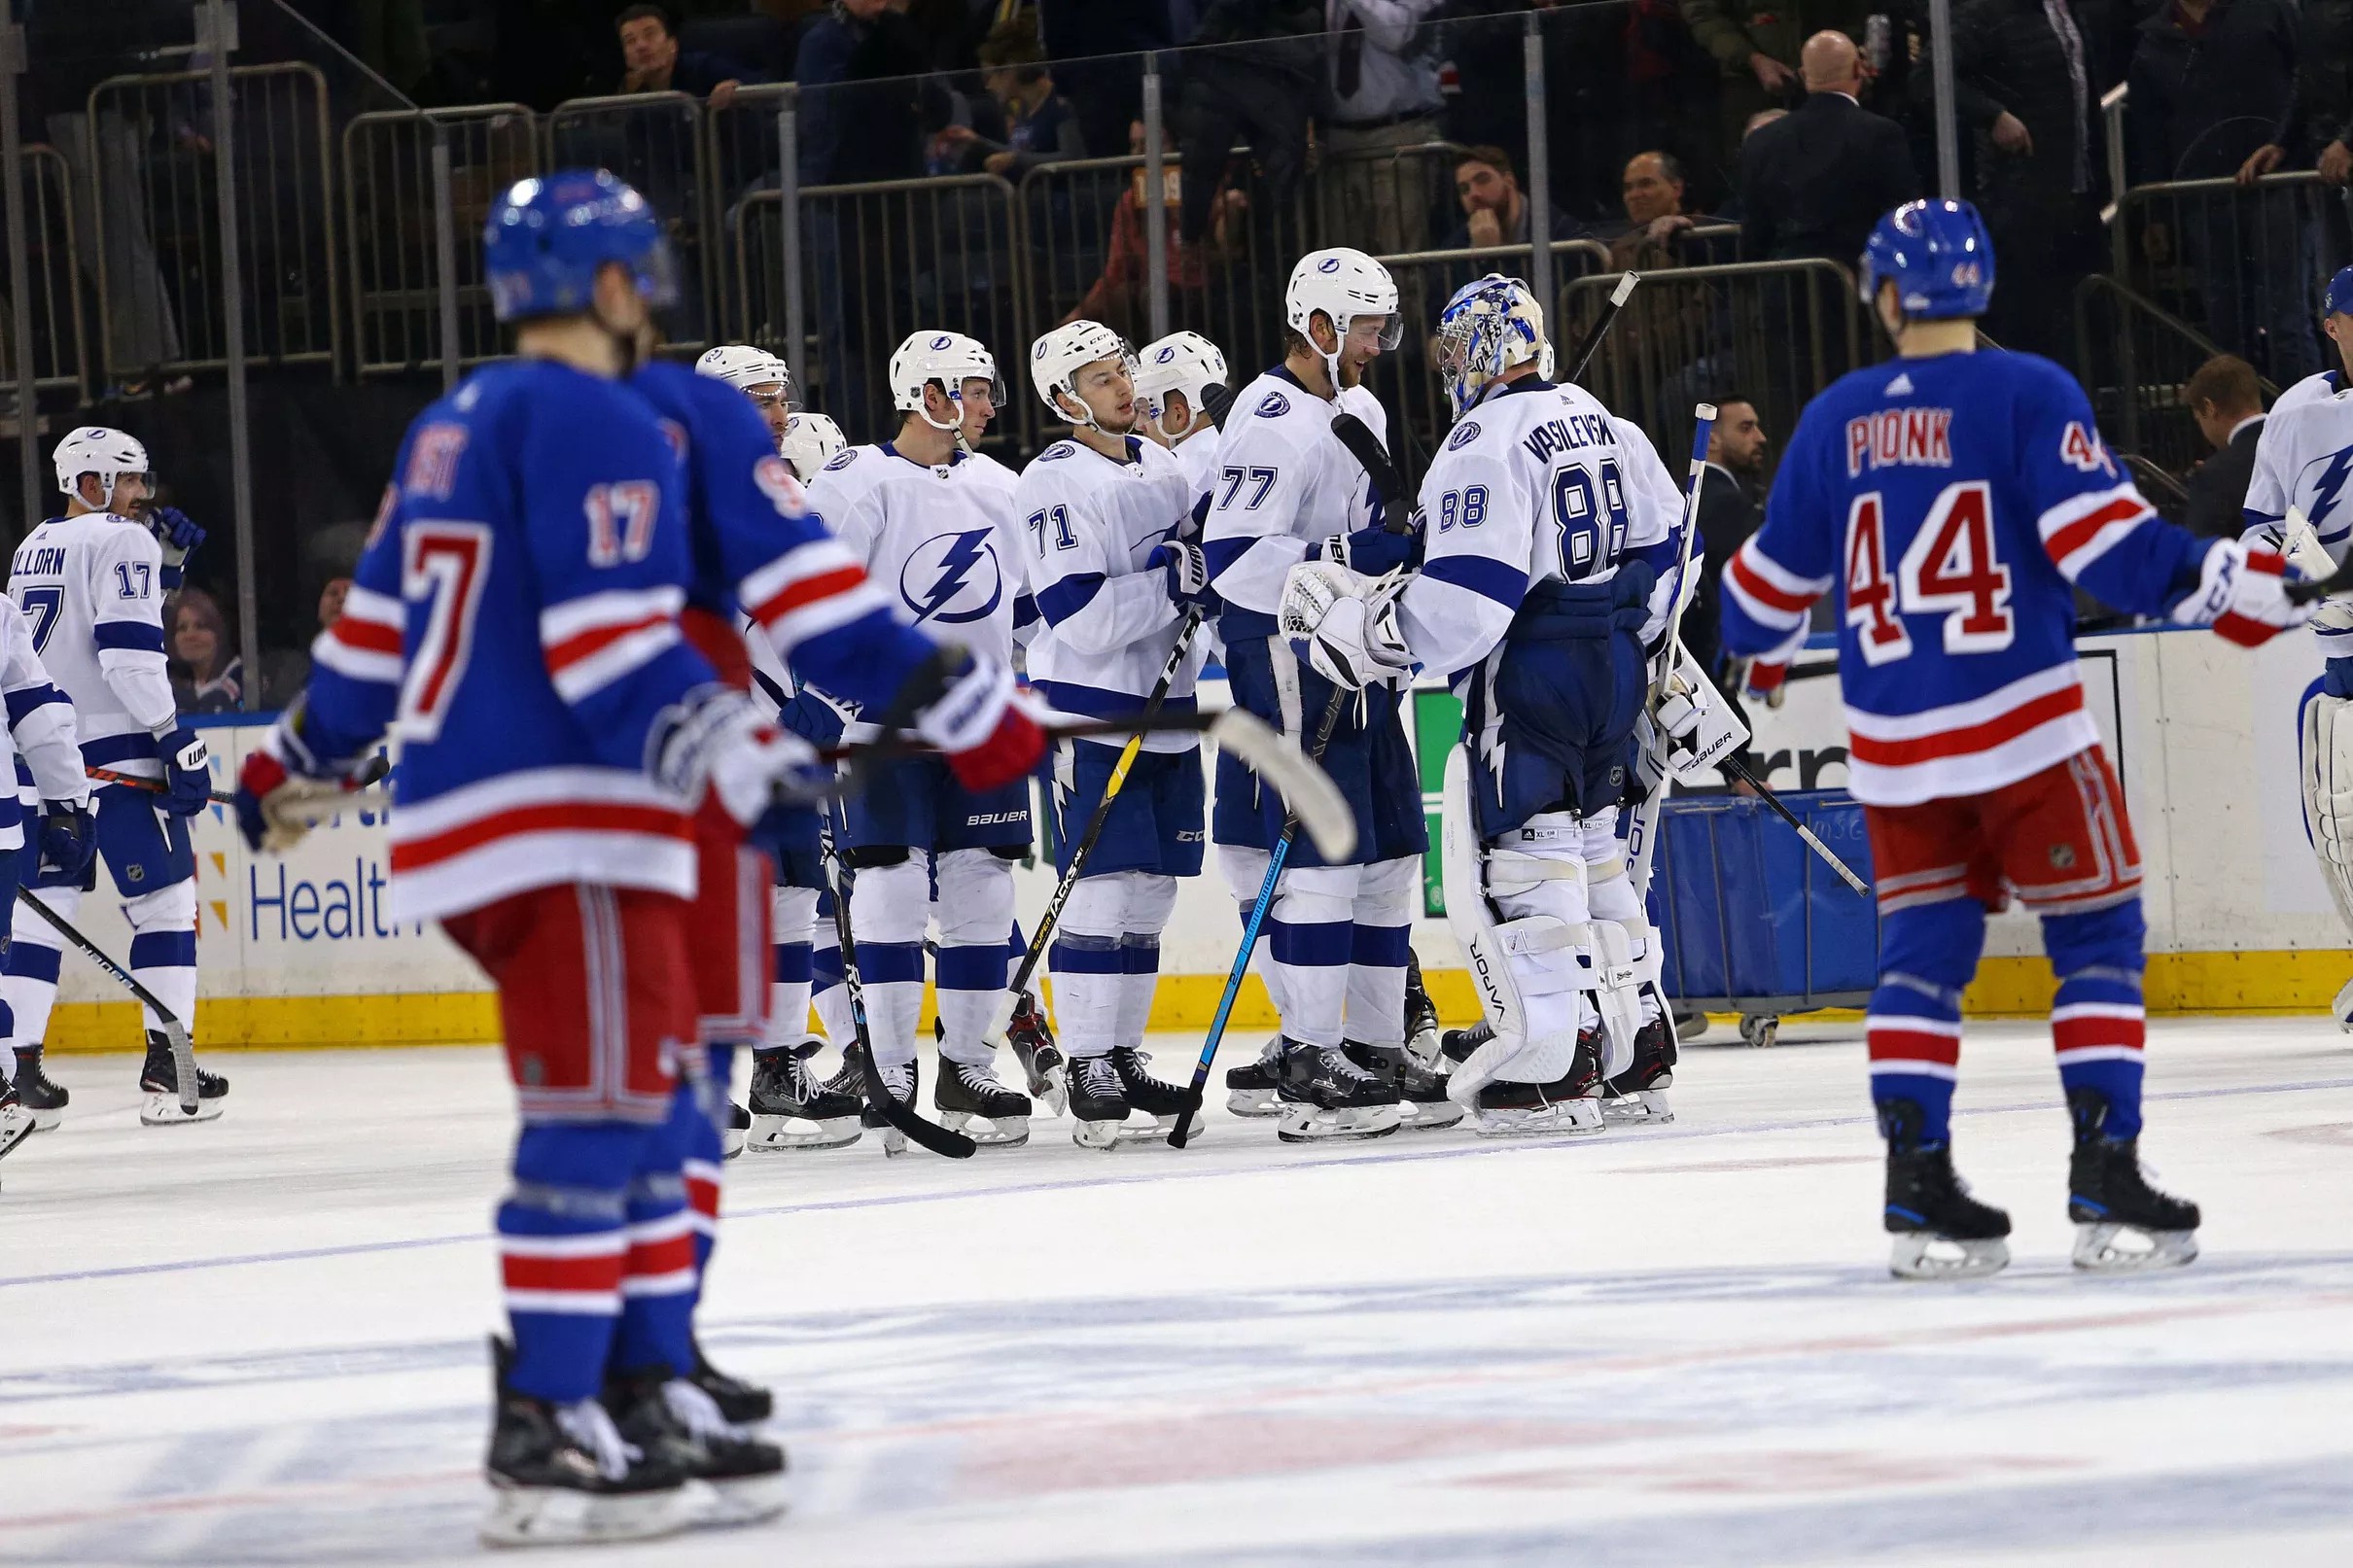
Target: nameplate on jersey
[
  {"x": 1568, "y": 432},
  {"x": 1900, "y": 437}
]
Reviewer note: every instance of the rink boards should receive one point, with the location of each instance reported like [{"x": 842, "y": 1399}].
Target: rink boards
[{"x": 303, "y": 951}]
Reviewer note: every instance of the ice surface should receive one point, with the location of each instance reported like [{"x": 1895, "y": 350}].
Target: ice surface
[{"x": 259, "y": 1340}]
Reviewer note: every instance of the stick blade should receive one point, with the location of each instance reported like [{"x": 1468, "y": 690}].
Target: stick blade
[
  {"x": 183, "y": 1063},
  {"x": 1307, "y": 790}
]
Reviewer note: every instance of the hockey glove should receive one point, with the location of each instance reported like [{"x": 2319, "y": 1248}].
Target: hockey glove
[
  {"x": 718, "y": 740},
  {"x": 1703, "y": 727},
  {"x": 985, "y": 725},
  {"x": 1187, "y": 571},
  {"x": 179, "y": 537},
  {"x": 187, "y": 764},
  {"x": 69, "y": 837},
  {"x": 811, "y": 716},
  {"x": 1341, "y": 625},
  {"x": 1372, "y": 550},
  {"x": 2241, "y": 593}
]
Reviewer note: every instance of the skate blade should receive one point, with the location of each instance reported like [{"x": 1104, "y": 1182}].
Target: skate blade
[
  {"x": 785, "y": 1135},
  {"x": 731, "y": 1143},
  {"x": 49, "y": 1121},
  {"x": 894, "y": 1142},
  {"x": 1153, "y": 1135},
  {"x": 1309, "y": 1124},
  {"x": 1051, "y": 1085},
  {"x": 1920, "y": 1255},
  {"x": 1577, "y": 1118},
  {"x": 1253, "y": 1103},
  {"x": 2096, "y": 1251},
  {"x": 1006, "y": 1132},
  {"x": 1426, "y": 1049},
  {"x": 15, "y": 1126},
  {"x": 550, "y": 1516},
  {"x": 1641, "y": 1106},
  {"x": 164, "y": 1110},
  {"x": 749, "y": 1500},
  {"x": 1428, "y": 1116}
]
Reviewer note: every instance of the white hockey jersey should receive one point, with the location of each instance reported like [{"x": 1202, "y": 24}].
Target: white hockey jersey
[
  {"x": 38, "y": 743},
  {"x": 1283, "y": 483},
  {"x": 90, "y": 591},
  {"x": 1089, "y": 523},
  {"x": 1537, "y": 481},
  {"x": 2304, "y": 459},
  {"x": 1197, "y": 456},
  {"x": 940, "y": 539}
]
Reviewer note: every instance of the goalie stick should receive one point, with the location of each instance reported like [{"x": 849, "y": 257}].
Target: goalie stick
[
  {"x": 183, "y": 1049},
  {"x": 1591, "y": 344},
  {"x": 1733, "y": 768},
  {"x": 2299, "y": 539}
]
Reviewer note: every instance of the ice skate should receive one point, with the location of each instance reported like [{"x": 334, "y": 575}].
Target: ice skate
[
  {"x": 44, "y": 1098},
  {"x": 159, "y": 1081},
  {"x": 1422, "y": 1102},
  {"x": 671, "y": 1418},
  {"x": 1570, "y": 1103},
  {"x": 1327, "y": 1098},
  {"x": 791, "y": 1109},
  {"x": 1250, "y": 1091},
  {"x": 1421, "y": 1018},
  {"x": 1456, "y": 1046},
  {"x": 968, "y": 1093},
  {"x": 1940, "y": 1230},
  {"x": 740, "y": 1402},
  {"x": 1639, "y": 1093},
  {"x": 563, "y": 1475},
  {"x": 1099, "y": 1102},
  {"x": 16, "y": 1124},
  {"x": 731, "y": 1136},
  {"x": 899, "y": 1081},
  {"x": 1041, "y": 1062},
  {"x": 2110, "y": 1199},
  {"x": 2343, "y": 1007}
]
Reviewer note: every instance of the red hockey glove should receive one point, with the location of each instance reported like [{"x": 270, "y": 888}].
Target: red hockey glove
[{"x": 985, "y": 727}]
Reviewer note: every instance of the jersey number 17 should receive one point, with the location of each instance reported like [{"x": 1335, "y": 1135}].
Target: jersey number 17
[{"x": 1950, "y": 566}]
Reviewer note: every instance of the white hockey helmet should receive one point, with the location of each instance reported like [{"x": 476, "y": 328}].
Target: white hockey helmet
[
  {"x": 1343, "y": 284},
  {"x": 1181, "y": 362},
  {"x": 98, "y": 449},
  {"x": 1488, "y": 328},
  {"x": 809, "y": 444},
  {"x": 743, "y": 367},
  {"x": 1056, "y": 358},
  {"x": 947, "y": 359}
]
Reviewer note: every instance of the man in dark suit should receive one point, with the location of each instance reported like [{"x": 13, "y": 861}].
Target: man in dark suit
[
  {"x": 1813, "y": 182},
  {"x": 2223, "y": 396}
]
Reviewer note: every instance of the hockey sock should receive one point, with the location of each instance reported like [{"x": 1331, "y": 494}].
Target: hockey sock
[
  {"x": 795, "y": 911},
  {"x": 658, "y": 1275},
  {"x": 2096, "y": 1020},
  {"x": 1151, "y": 900},
  {"x": 562, "y": 1243},
  {"x": 975, "y": 912},
  {"x": 1309, "y": 938},
  {"x": 1381, "y": 943},
  {"x": 887, "y": 913},
  {"x": 163, "y": 949},
  {"x": 35, "y": 956},
  {"x": 1927, "y": 953},
  {"x": 706, "y": 1157},
  {"x": 1086, "y": 962}
]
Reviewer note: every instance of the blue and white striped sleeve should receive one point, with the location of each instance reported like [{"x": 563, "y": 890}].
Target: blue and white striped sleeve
[{"x": 40, "y": 717}]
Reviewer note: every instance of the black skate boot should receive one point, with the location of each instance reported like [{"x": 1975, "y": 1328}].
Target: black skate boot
[
  {"x": 967, "y": 1092},
  {"x": 1162, "y": 1101},
  {"x": 1421, "y": 1015},
  {"x": 1099, "y": 1102},
  {"x": 740, "y": 1402},
  {"x": 159, "y": 1081},
  {"x": 1570, "y": 1103},
  {"x": 791, "y": 1109},
  {"x": 673, "y": 1420},
  {"x": 1250, "y": 1091},
  {"x": 1421, "y": 1101},
  {"x": 562, "y": 1473},
  {"x": 2109, "y": 1196},
  {"x": 731, "y": 1136},
  {"x": 1327, "y": 1098},
  {"x": 1940, "y": 1230},
  {"x": 1459, "y": 1044},
  {"x": 1639, "y": 1093},
  {"x": 1031, "y": 1039},
  {"x": 44, "y": 1100}
]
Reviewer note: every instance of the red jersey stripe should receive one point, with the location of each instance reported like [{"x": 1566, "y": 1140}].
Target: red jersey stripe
[
  {"x": 1969, "y": 740},
  {"x": 558, "y": 816},
  {"x": 1752, "y": 582},
  {"x": 2076, "y": 534}
]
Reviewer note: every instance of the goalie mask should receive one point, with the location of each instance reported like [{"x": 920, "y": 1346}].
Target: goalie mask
[{"x": 1488, "y": 328}]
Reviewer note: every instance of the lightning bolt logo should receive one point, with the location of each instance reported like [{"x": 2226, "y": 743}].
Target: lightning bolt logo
[
  {"x": 951, "y": 568},
  {"x": 2328, "y": 488}
]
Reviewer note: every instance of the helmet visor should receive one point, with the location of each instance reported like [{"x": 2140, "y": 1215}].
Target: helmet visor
[{"x": 655, "y": 272}]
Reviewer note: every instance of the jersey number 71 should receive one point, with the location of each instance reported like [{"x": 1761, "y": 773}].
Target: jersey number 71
[{"x": 1950, "y": 565}]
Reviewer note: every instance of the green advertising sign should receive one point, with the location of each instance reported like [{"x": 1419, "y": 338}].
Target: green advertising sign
[{"x": 1437, "y": 727}]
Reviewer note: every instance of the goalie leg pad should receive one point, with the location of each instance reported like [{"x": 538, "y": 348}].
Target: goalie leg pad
[
  {"x": 2327, "y": 745},
  {"x": 1625, "y": 948}
]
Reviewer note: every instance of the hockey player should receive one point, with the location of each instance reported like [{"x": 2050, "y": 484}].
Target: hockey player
[
  {"x": 516, "y": 610},
  {"x": 928, "y": 517},
  {"x": 809, "y": 443},
  {"x": 1551, "y": 525},
  {"x": 92, "y": 584},
  {"x": 2336, "y": 325},
  {"x": 1116, "y": 583},
  {"x": 758, "y": 375},
  {"x": 1956, "y": 498},
  {"x": 1178, "y": 379},
  {"x": 1286, "y": 490}
]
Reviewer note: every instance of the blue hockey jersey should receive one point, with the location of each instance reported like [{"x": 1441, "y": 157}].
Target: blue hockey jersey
[
  {"x": 515, "y": 615},
  {"x": 1955, "y": 501}
]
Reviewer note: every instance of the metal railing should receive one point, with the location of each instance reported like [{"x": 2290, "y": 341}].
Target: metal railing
[
  {"x": 654, "y": 141},
  {"x": 388, "y": 225},
  {"x": 2133, "y": 356},
  {"x": 154, "y": 220},
  {"x": 60, "y": 355},
  {"x": 1387, "y": 202}
]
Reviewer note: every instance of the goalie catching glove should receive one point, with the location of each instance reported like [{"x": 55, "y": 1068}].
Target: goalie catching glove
[{"x": 1342, "y": 624}]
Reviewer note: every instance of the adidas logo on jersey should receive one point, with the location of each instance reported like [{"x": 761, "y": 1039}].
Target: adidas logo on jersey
[{"x": 1900, "y": 387}]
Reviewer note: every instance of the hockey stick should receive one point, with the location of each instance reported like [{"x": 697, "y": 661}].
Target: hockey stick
[
  {"x": 1641, "y": 838},
  {"x": 1030, "y": 960},
  {"x": 1733, "y": 768},
  {"x": 183, "y": 1049},
  {"x": 1218, "y": 400},
  {"x": 1373, "y": 458},
  {"x": 1599, "y": 329},
  {"x": 1184, "y": 1129},
  {"x": 902, "y": 1117},
  {"x": 371, "y": 773}
]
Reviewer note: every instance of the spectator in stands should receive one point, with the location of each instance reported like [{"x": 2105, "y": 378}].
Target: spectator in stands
[
  {"x": 1118, "y": 299},
  {"x": 1487, "y": 105},
  {"x": 2224, "y": 399},
  {"x": 1812, "y": 183},
  {"x": 1756, "y": 46},
  {"x": 2325, "y": 86},
  {"x": 858, "y": 114},
  {"x": 1653, "y": 186},
  {"x": 206, "y": 675},
  {"x": 2214, "y": 96},
  {"x": 1380, "y": 70},
  {"x": 652, "y": 62},
  {"x": 1253, "y": 77},
  {"x": 1040, "y": 125},
  {"x": 1731, "y": 505},
  {"x": 1494, "y": 211},
  {"x": 2022, "y": 78}
]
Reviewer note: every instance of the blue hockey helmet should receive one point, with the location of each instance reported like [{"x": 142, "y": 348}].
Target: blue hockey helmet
[
  {"x": 548, "y": 236},
  {"x": 1939, "y": 257}
]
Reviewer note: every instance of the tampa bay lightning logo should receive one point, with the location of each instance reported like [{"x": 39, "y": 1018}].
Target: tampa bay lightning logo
[
  {"x": 952, "y": 579},
  {"x": 1056, "y": 452},
  {"x": 1465, "y": 433},
  {"x": 1167, "y": 356},
  {"x": 2327, "y": 489},
  {"x": 942, "y": 341},
  {"x": 1274, "y": 405},
  {"x": 1331, "y": 263},
  {"x": 841, "y": 460}
]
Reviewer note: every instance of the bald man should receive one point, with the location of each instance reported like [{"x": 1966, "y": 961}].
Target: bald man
[{"x": 1813, "y": 182}]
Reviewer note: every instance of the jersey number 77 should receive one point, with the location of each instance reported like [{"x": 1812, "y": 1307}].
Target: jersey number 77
[{"x": 1951, "y": 565}]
